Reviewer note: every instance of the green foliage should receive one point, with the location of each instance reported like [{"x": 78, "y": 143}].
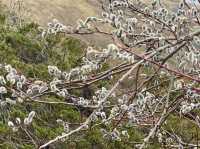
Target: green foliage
[
  {"x": 27, "y": 146},
  {"x": 3, "y": 128},
  {"x": 83, "y": 144},
  {"x": 69, "y": 114},
  {"x": 45, "y": 131},
  {"x": 2, "y": 19},
  {"x": 25, "y": 50},
  {"x": 182, "y": 127},
  {"x": 30, "y": 55}
]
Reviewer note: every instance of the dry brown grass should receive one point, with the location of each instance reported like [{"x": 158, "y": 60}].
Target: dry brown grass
[{"x": 69, "y": 11}]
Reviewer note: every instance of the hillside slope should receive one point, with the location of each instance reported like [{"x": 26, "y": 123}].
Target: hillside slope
[{"x": 67, "y": 12}]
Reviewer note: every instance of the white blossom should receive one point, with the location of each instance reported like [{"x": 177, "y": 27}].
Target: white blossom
[
  {"x": 28, "y": 120},
  {"x": 10, "y": 124},
  {"x": 18, "y": 121},
  {"x": 2, "y": 80},
  {"x": 10, "y": 101},
  {"x": 3, "y": 90}
]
